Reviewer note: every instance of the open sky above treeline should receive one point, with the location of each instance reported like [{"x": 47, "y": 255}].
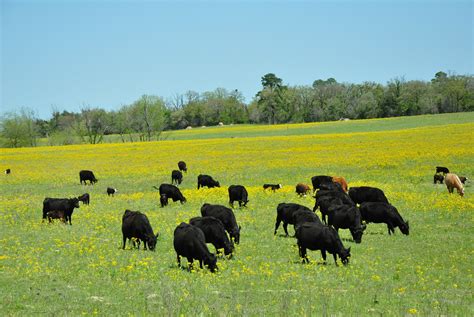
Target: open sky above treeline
[{"x": 59, "y": 55}]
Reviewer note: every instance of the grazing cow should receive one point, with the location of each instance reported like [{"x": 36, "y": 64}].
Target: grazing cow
[
  {"x": 452, "y": 181},
  {"x": 136, "y": 225},
  {"x": 87, "y": 176},
  {"x": 111, "y": 191},
  {"x": 226, "y": 216},
  {"x": 85, "y": 198},
  {"x": 171, "y": 191},
  {"x": 273, "y": 187},
  {"x": 327, "y": 198},
  {"x": 163, "y": 200},
  {"x": 341, "y": 181},
  {"x": 442, "y": 169},
  {"x": 182, "y": 166},
  {"x": 285, "y": 214},
  {"x": 190, "y": 242},
  {"x": 302, "y": 189},
  {"x": 301, "y": 216},
  {"x": 214, "y": 232},
  {"x": 437, "y": 178},
  {"x": 315, "y": 236},
  {"x": 331, "y": 186},
  {"x": 378, "y": 212},
  {"x": 176, "y": 177},
  {"x": 56, "y": 214},
  {"x": 463, "y": 179},
  {"x": 238, "y": 193},
  {"x": 320, "y": 179},
  {"x": 347, "y": 217},
  {"x": 8, "y": 171},
  {"x": 364, "y": 194},
  {"x": 206, "y": 180},
  {"x": 66, "y": 205}
]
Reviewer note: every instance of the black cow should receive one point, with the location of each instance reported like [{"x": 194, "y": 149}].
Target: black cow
[
  {"x": 163, "y": 200},
  {"x": 442, "y": 169},
  {"x": 285, "y": 212},
  {"x": 437, "y": 178},
  {"x": 226, "y": 216},
  {"x": 182, "y": 166},
  {"x": 56, "y": 214},
  {"x": 328, "y": 198},
  {"x": 87, "y": 176},
  {"x": 176, "y": 177},
  {"x": 317, "y": 181},
  {"x": 301, "y": 216},
  {"x": 206, "y": 180},
  {"x": 136, "y": 225},
  {"x": 463, "y": 179},
  {"x": 85, "y": 198},
  {"x": 324, "y": 203},
  {"x": 66, "y": 205},
  {"x": 214, "y": 232},
  {"x": 315, "y": 236},
  {"x": 111, "y": 191},
  {"x": 273, "y": 187},
  {"x": 171, "y": 191},
  {"x": 331, "y": 186},
  {"x": 8, "y": 171},
  {"x": 190, "y": 242},
  {"x": 347, "y": 217},
  {"x": 378, "y": 212},
  {"x": 367, "y": 194},
  {"x": 238, "y": 193}
]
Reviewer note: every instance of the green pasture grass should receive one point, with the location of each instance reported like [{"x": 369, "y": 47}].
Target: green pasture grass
[{"x": 56, "y": 269}]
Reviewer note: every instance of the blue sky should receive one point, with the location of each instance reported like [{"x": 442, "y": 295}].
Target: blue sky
[{"x": 65, "y": 55}]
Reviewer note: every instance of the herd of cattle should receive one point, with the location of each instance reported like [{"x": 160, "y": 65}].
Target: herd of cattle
[{"x": 340, "y": 208}]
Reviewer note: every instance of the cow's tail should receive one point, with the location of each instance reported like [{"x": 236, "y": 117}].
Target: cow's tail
[{"x": 155, "y": 187}]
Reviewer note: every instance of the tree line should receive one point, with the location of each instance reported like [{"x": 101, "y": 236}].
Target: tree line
[{"x": 275, "y": 103}]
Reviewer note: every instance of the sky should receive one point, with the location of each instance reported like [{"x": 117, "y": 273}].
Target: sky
[{"x": 68, "y": 55}]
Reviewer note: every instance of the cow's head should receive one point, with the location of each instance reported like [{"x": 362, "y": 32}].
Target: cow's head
[
  {"x": 183, "y": 199},
  {"x": 357, "y": 234},
  {"x": 404, "y": 228},
  {"x": 235, "y": 233},
  {"x": 152, "y": 242},
  {"x": 228, "y": 247},
  {"x": 212, "y": 262},
  {"x": 218, "y": 184},
  {"x": 345, "y": 254}
]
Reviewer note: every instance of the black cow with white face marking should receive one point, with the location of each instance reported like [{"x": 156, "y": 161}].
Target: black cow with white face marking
[
  {"x": 86, "y": 175},
  {"x": 176, "y": 177},
  {"x": 226, "y": 216},
  {"x": 8, "y": 171},
  {"x": 437, "y": 178},
  {"x": 136, "y": 225},
  {"x": 238, "y": 193},
  {"x": 189, "y": 241},
  {"x": 208, "y": 181},
  {"x": 66, "y": 205},
  {"x": 111, "y": 191}
]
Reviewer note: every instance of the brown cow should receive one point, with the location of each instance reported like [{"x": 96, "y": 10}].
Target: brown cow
[
  {"x": 56, "y": 214},
  {"x": 302, "y": 189},
  {"x": 341, "y": 181},
  {"x": 452, "y": 181}
]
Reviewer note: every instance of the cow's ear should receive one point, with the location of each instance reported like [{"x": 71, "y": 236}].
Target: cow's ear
[
  {"x": 157, "y": 235},
  {"x": 240, "y": 228},
  {"x": 349, "y": 250}
]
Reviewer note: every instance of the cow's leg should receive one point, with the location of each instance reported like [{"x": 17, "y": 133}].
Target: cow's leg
[
  {"x": 277, "y": 224},
  {"x": 285, "y": 227},
  {"x": 179, "y": 259},
  {"x": 324, "y": 218},
  {"x": 231, "y": 203},
  {"x": 190, "y": 264},
  {"x": 124, "y": 240},
  {"x": 323, "y": 254},
  {"x": 335, "y": 258},
  {"x": 200, "y": 264},
  {"x": 144, "y": 245}
]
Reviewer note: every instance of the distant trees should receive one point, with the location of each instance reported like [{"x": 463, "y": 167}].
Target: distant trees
[
  {"x": 323, "y": 100},
  {"x": 19, "y": 129}
]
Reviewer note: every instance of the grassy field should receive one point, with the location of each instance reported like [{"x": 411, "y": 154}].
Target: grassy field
[{"x": 53, "y": 269}]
